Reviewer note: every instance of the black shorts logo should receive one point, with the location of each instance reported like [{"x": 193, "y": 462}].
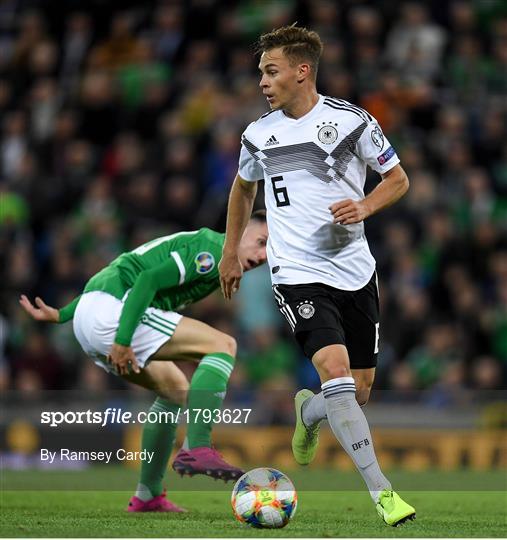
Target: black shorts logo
[{"x": 306, "y": 309}]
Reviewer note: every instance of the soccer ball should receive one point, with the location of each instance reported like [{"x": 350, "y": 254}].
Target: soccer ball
[{"x": 264, "y": 498}]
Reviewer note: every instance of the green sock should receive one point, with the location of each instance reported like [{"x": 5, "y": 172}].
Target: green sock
[
  {"x": 159, "y": 439},
  {"x": 207, "y": 392}
]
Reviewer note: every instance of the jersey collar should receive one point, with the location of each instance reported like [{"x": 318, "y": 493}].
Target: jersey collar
[{"x": 309, "y": 114}]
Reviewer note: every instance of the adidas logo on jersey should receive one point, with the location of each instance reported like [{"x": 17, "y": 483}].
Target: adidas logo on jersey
[{"x": 271, "y": 141}]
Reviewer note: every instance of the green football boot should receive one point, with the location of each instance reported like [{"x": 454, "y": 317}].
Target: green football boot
[
  {"x": 393, "y": 509},
  {"x": 305, "y": 439}
]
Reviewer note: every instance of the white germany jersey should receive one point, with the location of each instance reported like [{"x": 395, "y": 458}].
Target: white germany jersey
[{"x": 307, "y": 165}]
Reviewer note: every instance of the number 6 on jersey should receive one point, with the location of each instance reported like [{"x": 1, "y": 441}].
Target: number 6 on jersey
[{"x": 280, "y": 191}]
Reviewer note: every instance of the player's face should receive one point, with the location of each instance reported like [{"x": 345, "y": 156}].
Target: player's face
[
  {"x": 279, "y": 80},
  {"x": 252, "y": 248}
]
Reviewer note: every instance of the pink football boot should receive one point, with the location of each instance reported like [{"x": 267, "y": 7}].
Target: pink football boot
[
  {"x": 157, "y": 504},
  {"x": 204, "y": 460}
]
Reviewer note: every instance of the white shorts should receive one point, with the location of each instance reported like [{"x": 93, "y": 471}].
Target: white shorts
[{"x": 96, "y": 321}]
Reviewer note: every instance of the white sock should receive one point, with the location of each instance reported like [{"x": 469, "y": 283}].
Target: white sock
[
  {"x": 185, "y": 444},
  {"x": 143, "y": 492},
  {"x": 314, "y": 409},
  {"x": 351, "y": 428}
]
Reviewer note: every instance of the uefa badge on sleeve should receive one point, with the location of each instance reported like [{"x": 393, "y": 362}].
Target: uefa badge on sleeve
[
  {"x": 306, "y": 309},
  {"x": 377, "y": 137},
  {"x": 204, "y": 262}
]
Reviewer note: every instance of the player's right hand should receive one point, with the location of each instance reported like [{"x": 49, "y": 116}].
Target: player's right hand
[
  {"x": 231, "y": 272},
  {"x": 123, "y": 359},
  {"x": 42, "y": 312}
]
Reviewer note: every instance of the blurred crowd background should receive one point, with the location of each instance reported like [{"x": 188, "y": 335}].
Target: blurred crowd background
[{"x": 121, "y": 122}]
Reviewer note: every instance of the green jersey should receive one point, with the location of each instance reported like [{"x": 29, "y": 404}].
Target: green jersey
[{"x": 167, "y": 273}]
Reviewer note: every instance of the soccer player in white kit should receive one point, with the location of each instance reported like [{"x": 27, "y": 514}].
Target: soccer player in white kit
[{"x": 312, "y": 152}]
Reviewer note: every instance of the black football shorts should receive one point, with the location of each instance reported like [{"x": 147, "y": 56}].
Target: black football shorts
[{"x": 320, "y": 315}]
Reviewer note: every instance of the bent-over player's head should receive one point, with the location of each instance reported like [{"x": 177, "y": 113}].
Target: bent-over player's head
[
  {"x": 252, "y": 247},
  {"x": 289, "y": 63}
]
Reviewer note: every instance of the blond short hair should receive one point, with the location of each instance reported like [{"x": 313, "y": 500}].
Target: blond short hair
[{"x": 298, "y": 45}]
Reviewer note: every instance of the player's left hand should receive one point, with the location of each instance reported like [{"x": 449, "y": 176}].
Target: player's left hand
[
  {"x": 348, "y": 211},
  {"x": 123, "y": 359},
  {"x": 42, "y": 312}
]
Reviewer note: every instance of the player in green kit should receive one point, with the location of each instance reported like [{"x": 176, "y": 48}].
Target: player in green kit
[{"x": 126, "y": 320}]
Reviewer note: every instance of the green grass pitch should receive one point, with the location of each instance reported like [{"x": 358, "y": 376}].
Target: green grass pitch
[{"x": 49, "y": 512}]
